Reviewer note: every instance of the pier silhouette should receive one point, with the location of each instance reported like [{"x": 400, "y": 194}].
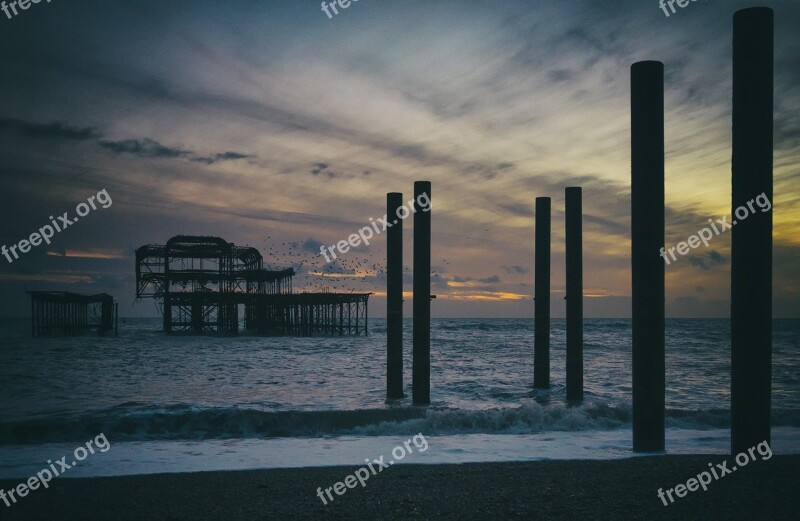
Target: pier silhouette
[{"x": 202, "y": 281}]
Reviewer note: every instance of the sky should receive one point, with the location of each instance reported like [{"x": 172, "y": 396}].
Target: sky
[{"x": 272, "y": 125}]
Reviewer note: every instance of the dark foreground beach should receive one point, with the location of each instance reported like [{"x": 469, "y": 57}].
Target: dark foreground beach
[{"x": 614, "y": 490}]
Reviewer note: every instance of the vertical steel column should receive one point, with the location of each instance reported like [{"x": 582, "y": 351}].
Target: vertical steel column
[
  {"x": 751, "y": 251},
  {"x": 394, "y": 299},
  {"x": 647, "y": 239},
  {"x": 574, "y": 292},
  {"x": 541, "y": 339},
  {"x": 421, "y": 366}
]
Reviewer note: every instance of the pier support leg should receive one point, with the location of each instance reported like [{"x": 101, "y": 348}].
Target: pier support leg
[
  {"x": 647, "y": 266},
  {"x": 421, "y": 367},
  {"x": 541, "y": 339},
  {"x": 394, "y": 299},
  {"x": 751, "y": 251},
  {"x": 574, "y": 292}
]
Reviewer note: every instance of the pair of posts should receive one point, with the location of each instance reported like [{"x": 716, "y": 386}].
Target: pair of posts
[
  {"x": 421, "y": 365},
  {"x": 751, "y": 249},
  {"x": 574, "y": 294}
]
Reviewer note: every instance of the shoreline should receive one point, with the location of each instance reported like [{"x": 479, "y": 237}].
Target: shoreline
[{"x": 567, "y": 489}]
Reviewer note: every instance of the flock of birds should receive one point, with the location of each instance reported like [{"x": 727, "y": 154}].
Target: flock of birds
[
  {"x": 352, "y": 272},
  {"x": 355, "y": 271}
]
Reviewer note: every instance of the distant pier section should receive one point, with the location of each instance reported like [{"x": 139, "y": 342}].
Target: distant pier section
[
  {"x": 61, "y": 313},
  {"x": 204, "y": 283}
]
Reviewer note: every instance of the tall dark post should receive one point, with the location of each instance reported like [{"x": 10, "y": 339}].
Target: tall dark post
[
  {"x": 421, "y": 367},
  {"x": 541, "y": 322},
  {"x": 751, "y": 250},
  {"x": 647, "y": 266},
  {"x": 394, "y": 299},
  {"x": 574, "y": 255}
]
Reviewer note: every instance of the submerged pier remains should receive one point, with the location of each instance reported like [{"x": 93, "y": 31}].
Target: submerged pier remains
[
  {"x": 205, "y": 284},
  {"x": 61, "y": 313}
]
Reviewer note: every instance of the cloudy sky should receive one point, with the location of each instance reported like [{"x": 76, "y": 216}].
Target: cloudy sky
[{"x": 271, "y": 125}]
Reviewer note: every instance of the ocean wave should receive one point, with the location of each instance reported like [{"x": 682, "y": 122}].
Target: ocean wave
[{"x": 137, "y": 422}]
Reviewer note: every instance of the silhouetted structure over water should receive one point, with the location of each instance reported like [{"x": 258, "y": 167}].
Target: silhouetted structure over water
[
  {"x": 541, "y": 321},
  {"x": 647, "y": 268},
  {"x": 574, "y": 291},
  {"x": 421, "y": 365},
  {"x": 751, "y": 249},
  {"x": 60, "y": 313},
  {"x": 394, "y": 299},
  {"x": 202, "y": 281}
]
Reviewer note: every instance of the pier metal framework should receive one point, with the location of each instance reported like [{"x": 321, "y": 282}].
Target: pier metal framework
[
  {"x": 201, "y": 282},
  {"x": 61, "y": 313}
]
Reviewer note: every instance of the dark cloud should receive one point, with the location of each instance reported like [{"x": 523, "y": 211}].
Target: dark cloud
[
  {"x": 318, "y": 168},
  {"x": 704, "y": 262},
  {"x": 150, "y": 148},
  {"x": 335, "y": 268},
  {"x": 55, "y": 130},
  {"x": 223, "y": 156},
  {"x": 438, "y": 281},
  {"x": 232, "y": 156},
  {"x": 697, "y": 261},
  {"x": 488, "y": 280},
  {"x": 487, "y": 171},
  {"x": 324, "y": 168},
  {"x": 515, "y": 269},
  {"x": 144, "y": 148},
  {"x": 312, "y": 245}
]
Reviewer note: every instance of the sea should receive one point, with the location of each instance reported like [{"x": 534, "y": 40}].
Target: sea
[{"x": 199, "y": 403}]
